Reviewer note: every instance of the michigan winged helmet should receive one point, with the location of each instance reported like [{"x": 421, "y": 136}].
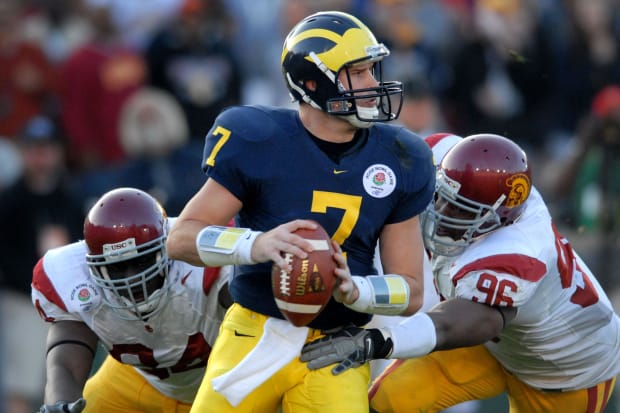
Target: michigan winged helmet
[{"x": 323, "y": 45}]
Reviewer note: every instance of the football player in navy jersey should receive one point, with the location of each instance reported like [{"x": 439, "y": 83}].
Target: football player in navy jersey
[{"x": 274, "y": 170}]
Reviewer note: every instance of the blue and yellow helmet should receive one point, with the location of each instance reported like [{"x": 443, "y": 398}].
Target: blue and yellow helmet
[{"x": 322, "y": 45}]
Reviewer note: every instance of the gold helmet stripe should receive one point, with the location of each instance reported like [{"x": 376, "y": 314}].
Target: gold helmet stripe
[{"x": 353, "y": 45}]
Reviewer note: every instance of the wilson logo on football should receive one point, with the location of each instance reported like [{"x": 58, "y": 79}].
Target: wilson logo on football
[{"x": 303, "y": 292}]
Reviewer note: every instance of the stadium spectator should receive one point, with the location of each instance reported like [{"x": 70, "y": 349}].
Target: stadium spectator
[
  {"x": 154, "y": 135},
  {"x": 97, "y": 79},
  {"x": 419, "y": 35},
  {"x": 585, "y": 35},
  {"x": 585, "y": 186},
  {"x": 156, "y": 318},
  {"x": 10, "y": 162},
  {"x": 37, "y": 212},
  {"x": 274, "y": 169},
  {"x": 421, "y": 111},
  {"x": 192, "y": 57},
  {"x": 137, "y": 21},
  {"x": 502, "y": 74},
  {"x": 58, "y": 27},
  {"x": 520, "y": 311},
  {"x": 28, "y": 80}
]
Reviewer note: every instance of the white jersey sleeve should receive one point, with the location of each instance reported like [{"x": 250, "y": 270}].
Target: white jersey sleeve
[
  {"x": 70, "y": 291},
  {"x": 565, "y": 334},
  {"x": 171, "y": 349}
]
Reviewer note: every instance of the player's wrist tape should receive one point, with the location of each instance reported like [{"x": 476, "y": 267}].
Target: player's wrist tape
[
  {"x": 381, "y": 294},
  {"x": 218, "y": 246},
  {"x": 413, "y": 337}
]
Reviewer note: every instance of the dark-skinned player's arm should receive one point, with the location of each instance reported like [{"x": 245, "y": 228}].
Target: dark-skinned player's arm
[
  {"x": 450, "y": 324},
  {"x": 71, "y": 347}
]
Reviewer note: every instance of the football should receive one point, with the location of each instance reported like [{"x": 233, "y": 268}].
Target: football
[{"x": 302, "y": 293}]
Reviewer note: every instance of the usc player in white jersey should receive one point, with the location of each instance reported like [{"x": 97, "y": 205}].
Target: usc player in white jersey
[
  {"x": 521, "y": 313},
  {"x": 157, "y": 318}
]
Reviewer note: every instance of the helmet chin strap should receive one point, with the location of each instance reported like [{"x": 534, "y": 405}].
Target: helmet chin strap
[
  {"x": 353, "y": 120},
  {"x": 363, "y": 113}
]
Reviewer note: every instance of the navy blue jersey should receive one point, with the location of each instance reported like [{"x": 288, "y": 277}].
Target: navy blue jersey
[{"x": 266, "y": 158}]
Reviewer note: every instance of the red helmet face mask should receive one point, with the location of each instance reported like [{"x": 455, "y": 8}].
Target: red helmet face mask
[
  {"x": 482, "y": 184},
  {"x": 125, "y": 232}
]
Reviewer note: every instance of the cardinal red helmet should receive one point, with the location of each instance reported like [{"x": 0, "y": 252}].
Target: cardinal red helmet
[
  {"x": 482, "y": 184},
  {"x": 125, "y": 232}
]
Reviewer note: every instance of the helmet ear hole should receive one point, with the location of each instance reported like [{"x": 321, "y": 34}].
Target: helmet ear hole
[{"x": 310, "y": 85}]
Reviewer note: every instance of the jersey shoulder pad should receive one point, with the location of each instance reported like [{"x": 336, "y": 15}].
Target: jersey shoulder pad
[
  {"x": 200, "y": 280},
  {"x": 413, "y": 160},
  {"x": 399, "y": 140},
  {"x": 504, "y": 279},
  {"x": 255, "y": 122},
  {"x": 62, "y": 284},
  {"x": 241, "y": 137}
]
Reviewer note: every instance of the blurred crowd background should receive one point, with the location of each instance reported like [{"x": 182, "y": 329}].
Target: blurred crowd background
[{"x": 96, "y": 94}]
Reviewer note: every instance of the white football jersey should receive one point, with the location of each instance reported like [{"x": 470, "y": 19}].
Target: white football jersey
[
  {"x": 566, "y": 334},
  {"x": 171, "y": 349}
]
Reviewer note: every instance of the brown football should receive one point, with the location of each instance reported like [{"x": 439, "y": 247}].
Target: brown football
[{"x": 302, "y": 293}]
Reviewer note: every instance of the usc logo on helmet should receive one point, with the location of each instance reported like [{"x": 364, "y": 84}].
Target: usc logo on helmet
[{"x": 520, "y": 186}]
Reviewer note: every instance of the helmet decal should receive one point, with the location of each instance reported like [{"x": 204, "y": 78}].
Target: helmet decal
[
  {"x": 348, "y": 48},
  {"x": 125, "y": 247},
  {"x": 519, "y": 185}
]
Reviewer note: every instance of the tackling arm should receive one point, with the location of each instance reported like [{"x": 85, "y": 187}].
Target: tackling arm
[
  {"x": 462, "y": 323},
  {"x": 450, "y": 324},
  {"x": 71, "y": 348}
]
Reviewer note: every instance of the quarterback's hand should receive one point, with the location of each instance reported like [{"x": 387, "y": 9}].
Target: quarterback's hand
[
  {"x": 345, "y": 290},
  {"x": 64, "y": 407},
  {"x": 274, "y": 244},
  {"x": 350, "y": 347}
]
